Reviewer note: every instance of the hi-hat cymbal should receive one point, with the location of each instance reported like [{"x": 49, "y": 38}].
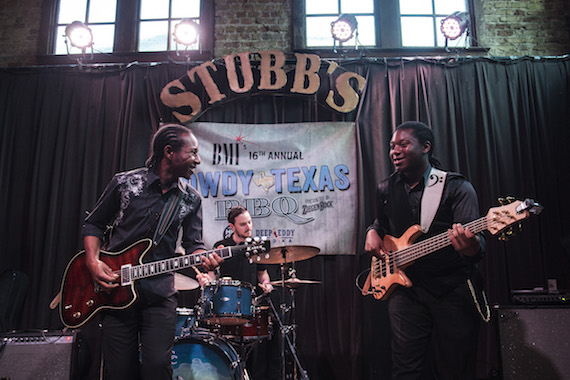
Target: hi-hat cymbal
[
  {"x": 288, "y": 254},
  {"x": 182, "y": 282},
  {"x": 294, "y": 282}
]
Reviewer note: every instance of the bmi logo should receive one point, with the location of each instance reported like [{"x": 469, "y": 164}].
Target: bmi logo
[{"x": 225, "y": 154}]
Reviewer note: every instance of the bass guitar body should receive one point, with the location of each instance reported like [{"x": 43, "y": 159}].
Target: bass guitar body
[{"x": 385, "y": 274}]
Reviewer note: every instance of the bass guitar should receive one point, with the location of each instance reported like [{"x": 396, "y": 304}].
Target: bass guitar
[
  {"x": 82, "y": 298},
  {"x": 386, "y": 274}
]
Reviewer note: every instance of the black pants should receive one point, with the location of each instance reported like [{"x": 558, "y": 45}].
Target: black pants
[
  {"x": 150, "y": 327},
  {"x": 433, "y": 338}
]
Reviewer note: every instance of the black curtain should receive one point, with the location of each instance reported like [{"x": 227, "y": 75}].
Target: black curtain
[{"x": 502, "y": 123}]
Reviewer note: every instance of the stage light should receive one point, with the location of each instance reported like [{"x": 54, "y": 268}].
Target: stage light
[
  {"x": 79, "y": 35},
  {"x": 344, "y": 27},
  {"x": 454, "y": 25},
  {"x": 186, "y": 32}
]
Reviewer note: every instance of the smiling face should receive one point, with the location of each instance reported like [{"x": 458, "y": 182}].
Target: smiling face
[
  {"x": 184, "y": 160},
  {"x": 407, "y": 154}
]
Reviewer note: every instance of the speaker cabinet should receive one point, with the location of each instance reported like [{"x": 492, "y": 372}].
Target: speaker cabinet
[
  {"x": 535, "y": 342},
  {"x": 46, "y": 355}
]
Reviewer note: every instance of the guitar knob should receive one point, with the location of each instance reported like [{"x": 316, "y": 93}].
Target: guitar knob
[
  {"x": 77, "y": 315},
  {"x": 89, "y": 303}
]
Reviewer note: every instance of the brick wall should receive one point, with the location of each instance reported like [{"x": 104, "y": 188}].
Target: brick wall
[
  {"x": 252, "y": 25},
  {"x": 19, "y": 31},
  {"x": 507, "y": 27},
  {"x": 524, "y": 27}
]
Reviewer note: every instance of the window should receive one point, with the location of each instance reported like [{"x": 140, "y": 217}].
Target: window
[
  {"x": 127, "y": 26},
  {"x": 99, "y": 15},
  {"x": 420, "y": 22},
  {"x": 157, "y": 21},
  {"x": 320, "y": 15},
  {"x": 381, "y": 24}
]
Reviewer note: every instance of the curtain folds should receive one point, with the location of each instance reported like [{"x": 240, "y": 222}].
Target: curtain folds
[{"x": 504, "y": 124}]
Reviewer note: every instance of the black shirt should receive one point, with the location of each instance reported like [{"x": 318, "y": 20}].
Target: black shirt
[
  {"x": 398, "y": 208},
  {"x": 131, "y": 205},
  {"x": 238, "y": 267}
]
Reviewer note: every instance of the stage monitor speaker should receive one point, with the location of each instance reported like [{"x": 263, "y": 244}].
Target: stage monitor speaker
[
  {"x": 535, "y": 342},
  {"x": 42, "y": 355}
]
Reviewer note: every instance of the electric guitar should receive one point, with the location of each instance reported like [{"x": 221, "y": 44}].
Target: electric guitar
[
  {"x": 386, "y": 274},
  {"x": 82, "y": 298}
]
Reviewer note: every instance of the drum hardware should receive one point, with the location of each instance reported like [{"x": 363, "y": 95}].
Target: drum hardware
[
  {"x": 293, "y": 282},
  {"x": 285, "y": 255},
  {"x": 288, "y": 254},
  {"x": 226, "y": 302}
]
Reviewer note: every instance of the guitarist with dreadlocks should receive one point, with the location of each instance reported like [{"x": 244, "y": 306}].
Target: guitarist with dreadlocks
[
  {"x": 133, "y": 204},
  {"x": 434, "y": 319}
]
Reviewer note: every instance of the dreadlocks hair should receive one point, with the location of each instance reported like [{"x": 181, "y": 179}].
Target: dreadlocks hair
[
  {"x": 168, "y": 134},
  {"x": 424, "y": 134},
  {"x": 235, "y": 212}
]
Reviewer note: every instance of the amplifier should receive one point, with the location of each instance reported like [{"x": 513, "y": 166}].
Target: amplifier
[
  {"x": 540, "y": 299},
  {"x": 534, "y": 342},
  {"x": 41, "y": 355}
]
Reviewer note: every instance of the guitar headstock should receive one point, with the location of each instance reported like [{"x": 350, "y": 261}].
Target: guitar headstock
[
  {"x": 256, "y": 246},
  {"x": 512, "y": 211}
]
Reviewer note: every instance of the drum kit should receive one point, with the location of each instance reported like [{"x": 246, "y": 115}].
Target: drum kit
[{"x": 214, "y": 339}]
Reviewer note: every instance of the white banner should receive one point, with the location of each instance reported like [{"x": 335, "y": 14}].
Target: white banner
[{"x": 298, "y": 181}]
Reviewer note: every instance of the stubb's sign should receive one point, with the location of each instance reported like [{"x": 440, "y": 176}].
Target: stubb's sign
[{"x": 269, "y": 73}]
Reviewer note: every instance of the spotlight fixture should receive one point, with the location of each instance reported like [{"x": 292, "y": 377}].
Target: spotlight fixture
[
  {"x": 344, "y": 27},
  {"x": 79, "y": 35},
  {"x": 186, "y": 32},
  {"x": 454, "y": 25}
]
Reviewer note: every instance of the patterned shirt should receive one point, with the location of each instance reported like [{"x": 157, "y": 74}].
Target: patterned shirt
[{"x": 130, "y": 207}]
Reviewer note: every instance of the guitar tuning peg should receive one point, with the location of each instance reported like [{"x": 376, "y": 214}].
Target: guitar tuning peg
[
  {"x": 520, "y": 226},
  {"x": 502, "y": 201},
  {"x": 503, "y": 237},
  {"x": 511, "y": 199},
  {"x": 250, "y": 260},
  {"x": 510, "y": 232}
]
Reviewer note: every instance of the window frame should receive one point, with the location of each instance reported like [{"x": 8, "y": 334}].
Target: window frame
[
  {"x": 388, "y": 33},
  {"x": 126, "y": 37}
]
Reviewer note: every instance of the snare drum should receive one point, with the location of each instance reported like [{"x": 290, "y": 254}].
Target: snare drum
[
  {"x": 204, "y": 356},
  {"x": 258, "y": 328},
  {"x": 227, "y": 302}
]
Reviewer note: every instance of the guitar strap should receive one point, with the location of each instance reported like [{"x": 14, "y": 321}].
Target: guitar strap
[
  {"x": 431, "y": 198},
  {"x": 169, "y": 211}
]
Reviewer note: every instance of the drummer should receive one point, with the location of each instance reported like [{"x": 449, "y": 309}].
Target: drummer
[
  {"x": 263, "y": 361},
  {"x": 239, "y": 268}
]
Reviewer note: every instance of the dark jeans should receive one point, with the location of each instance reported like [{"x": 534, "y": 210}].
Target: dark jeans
[
  {"x": 150, "y": 327},
  {"x": 433, "y": 338}
]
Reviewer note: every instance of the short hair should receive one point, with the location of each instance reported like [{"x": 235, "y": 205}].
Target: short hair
[
  {"x": 168, "y": 134},
  {"x": 424, "y": 134},
  {"x": 235, "y": 212}
]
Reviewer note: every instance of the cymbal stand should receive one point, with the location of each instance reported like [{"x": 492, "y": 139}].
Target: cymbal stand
[
  {"x": 285, "y": 335},
  {"x": 285, "y": 329}
]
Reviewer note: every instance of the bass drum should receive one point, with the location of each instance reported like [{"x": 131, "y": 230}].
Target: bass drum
[{"x": 205, "y": 356}]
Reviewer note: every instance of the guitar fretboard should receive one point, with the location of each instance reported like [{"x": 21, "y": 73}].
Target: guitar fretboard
[
  {"x": 409, "y": 254},
  {"x": 169, "y": 265}
]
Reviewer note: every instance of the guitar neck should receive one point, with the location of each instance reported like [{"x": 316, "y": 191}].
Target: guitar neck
[
  {"x": 425, "y": 247},
  {"x": 130, "y": 273}
]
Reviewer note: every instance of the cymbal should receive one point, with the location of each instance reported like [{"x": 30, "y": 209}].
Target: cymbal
[
  {"x": 294, "y": 282},
  {"x": 182, "y": 282},
  {"x": 288, "y": 254}
]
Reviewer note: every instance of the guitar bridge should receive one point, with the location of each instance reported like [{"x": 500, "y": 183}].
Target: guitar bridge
[{"x": 126, "y": 275}]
